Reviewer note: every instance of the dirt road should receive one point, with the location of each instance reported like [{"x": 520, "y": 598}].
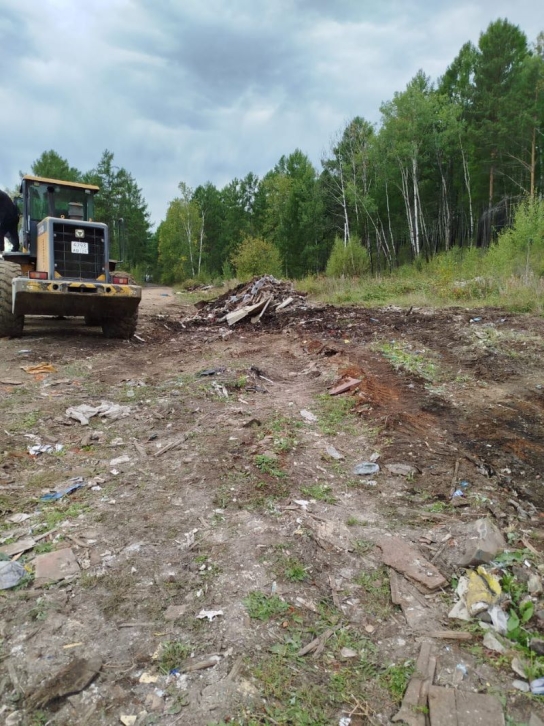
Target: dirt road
[{"x": 221, "y": 528}]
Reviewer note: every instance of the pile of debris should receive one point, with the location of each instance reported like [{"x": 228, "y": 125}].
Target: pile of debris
[{"x": 262, "y": 297}]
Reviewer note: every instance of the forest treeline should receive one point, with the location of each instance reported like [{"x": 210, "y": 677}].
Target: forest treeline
[{"x": 446, "y": 167}]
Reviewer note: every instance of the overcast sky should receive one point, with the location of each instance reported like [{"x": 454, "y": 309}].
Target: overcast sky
[{"x": 209, "y": 90}]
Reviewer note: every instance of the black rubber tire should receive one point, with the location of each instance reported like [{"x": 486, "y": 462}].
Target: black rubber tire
[
  {"x": 93, "y": 321},
  {"x": 10, "y": 325},
  {"x": 121, "y": 327}
]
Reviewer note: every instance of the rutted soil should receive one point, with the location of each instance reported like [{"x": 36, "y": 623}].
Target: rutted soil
[{"x": 227, "y": 491}]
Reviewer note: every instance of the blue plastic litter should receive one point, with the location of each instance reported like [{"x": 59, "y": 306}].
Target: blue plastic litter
[
  {"x": 365, "y": 468},
  {"x": 174, "y": 672},
  {"x": 537, "y": 687},
  {"x": 53, "y": 496},
  {"x": 464, "y": 484},
  {"x": 458, "y": 493}
]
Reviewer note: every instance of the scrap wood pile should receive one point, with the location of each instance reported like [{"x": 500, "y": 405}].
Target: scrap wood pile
[{"x": 262, "y": 297}]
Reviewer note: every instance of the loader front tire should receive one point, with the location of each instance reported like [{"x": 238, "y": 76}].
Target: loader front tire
[
  {"x": 121, "y": 327},
  {"x": 11, "y": 326}
]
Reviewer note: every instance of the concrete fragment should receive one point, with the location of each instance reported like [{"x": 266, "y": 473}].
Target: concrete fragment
[
  {"x": 415, "y": 609},
  {"x": 477, "y": 543},
  {"x": 405, "y": 558},
  {"x": 55, "y": 566},
  {"x": 453, "y": 707}
]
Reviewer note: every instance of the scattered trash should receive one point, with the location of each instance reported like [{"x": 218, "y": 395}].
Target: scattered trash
[
  {"x": 518, "y": 668},
  {"x": 461, "y": 667},
  {"x": 73, "y": 678},
  {"x": 11, "y": 573},
  {"x": 211, "y": 371},
  {"x": 308, "y": 416},
  {"x": 264, "y": 296},
  {"x": 537, "y": 687},
  {"x": 333, "y": 453},
  {"x": 346, "y": 384},
  {"x": 220, "y": 389},
  {"x": 38, "y": 369},
  {"x": 77, "y": 483},
  {"x": 402, "y": 469},
  {"x": 491, "y": 642},
  {"x": 106, "y": 409},
  {"x": 120, "y": 460},
  {"x": 16, "y": 548},
  {"x": 209, "y": 614},
  {"x": 200, "y": 665},
  {"x": 344, "y": 721},
  {"x": 18, "y": 518},
  {"x": 128, "y": 720},
  {"x": 366, "y": 468},
  {"x": 44, "y": 449},
  {"x": 347, "y": 653},
  {"x": 475, "y": 320},
  {"x": 55, "y": 566},
  {"x": 479, "y": 592},
  {"x": 148, "y": 678}
]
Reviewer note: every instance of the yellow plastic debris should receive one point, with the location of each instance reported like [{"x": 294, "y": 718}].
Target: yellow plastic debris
[{"x": 483, "y": 590}]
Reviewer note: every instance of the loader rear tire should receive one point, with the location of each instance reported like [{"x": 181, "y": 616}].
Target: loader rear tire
[
  {"x": 11, "y": 325},
  {"x": 121, "y": 327}
]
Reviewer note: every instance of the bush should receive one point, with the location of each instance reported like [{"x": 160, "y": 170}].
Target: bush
[
  {"x": 347, "y": 260},
  {"x": 520, "y": 249},
  {"x": 255, "y": 257}
]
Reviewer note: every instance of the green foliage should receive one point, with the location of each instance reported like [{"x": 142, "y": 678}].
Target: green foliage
[
  {"x": 347, "y": 259},
  {"x": 520, "y": 249},
  {"x": 52, "y": 166},
  {"x": 264, "y": 607},
  {"x": 256, "y": 257},
  {"x": 172, "y": 654}
]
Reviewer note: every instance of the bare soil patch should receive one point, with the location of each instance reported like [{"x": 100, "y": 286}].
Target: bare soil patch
[{"x": 217, "y": 535}]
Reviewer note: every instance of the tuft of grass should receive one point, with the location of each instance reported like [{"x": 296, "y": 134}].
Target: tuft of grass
[
  {"x": 334, "y": 414},
  {"x": 402, "y": 356},
  {"x": 396, "y": 677},
  {"x": 268, "y": 465},
  {"x": 172, "y": 655},
  {"x": 319, "y": 492},
  {"x": 264, "y": 607},
  {"x": 295, "y": 570}
]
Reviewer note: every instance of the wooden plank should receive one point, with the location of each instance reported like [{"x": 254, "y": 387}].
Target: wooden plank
[
  {"x": 415, "y": 698},
  {"x": 442, "y": 706}
]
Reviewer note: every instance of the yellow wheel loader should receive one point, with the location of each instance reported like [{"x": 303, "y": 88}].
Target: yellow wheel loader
[{"x": 62, "y": 267}]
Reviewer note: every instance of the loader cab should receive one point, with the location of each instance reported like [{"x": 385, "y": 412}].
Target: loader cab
[{"x": 41, "y": 198}]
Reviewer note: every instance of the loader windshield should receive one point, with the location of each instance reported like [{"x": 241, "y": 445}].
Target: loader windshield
[{"x": 46, "y": 200}]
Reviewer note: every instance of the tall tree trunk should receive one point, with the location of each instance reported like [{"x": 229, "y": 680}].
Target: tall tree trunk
[{"x": 466, "y": 174}]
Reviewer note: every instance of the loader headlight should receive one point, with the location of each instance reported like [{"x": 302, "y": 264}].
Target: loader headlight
[{"x": 80, "y": 233}]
